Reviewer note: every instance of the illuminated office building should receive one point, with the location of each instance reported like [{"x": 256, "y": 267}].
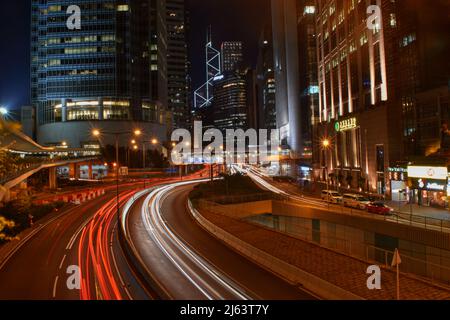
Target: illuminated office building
[
  {"x": 378, "y": 83},
  {"x": 232, "y": 56},
  {"x": 177, "y": 62},
  {"x": 110, "y": 75}
]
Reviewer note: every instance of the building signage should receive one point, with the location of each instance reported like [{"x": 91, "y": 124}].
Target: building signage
[
  {"x": 431, "y": 185},
  {"x": 397, "y": 169},
  {"x": 434, "y": 173},
  {"x": 346, "y": 124}
]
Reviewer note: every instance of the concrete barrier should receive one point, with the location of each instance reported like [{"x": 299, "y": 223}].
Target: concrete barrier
[
  {"x": 318, "y": 286},
  {"x": 73, "y": 198}
]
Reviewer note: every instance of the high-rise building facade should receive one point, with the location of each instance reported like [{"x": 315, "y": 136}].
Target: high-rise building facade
[
  {"x": 232, "y": 55},
  {"x": 308, "y": 85},
  {"x": 378, "y": 79},
  {"x": 230, "y": 102},
  {"x": 266, "y": 81},
  {"x": 177, "y": 62},
  {"x": 110, "y": 74},
  {"x": 286, "y": 59}
]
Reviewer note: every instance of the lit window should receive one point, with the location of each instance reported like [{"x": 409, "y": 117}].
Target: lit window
[
  {"x": 310, "y": 10},
  {"x": 122, "y": 7}
]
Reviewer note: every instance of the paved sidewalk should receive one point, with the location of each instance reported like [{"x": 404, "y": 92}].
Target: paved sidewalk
[
  {"x": 429, "y": 212},
  {"x": 341, "y": 270},
  {"x": 417, "y": 210}
]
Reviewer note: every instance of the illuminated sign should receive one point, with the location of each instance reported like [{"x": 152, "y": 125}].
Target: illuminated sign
[
  {"x": 435, "y": 186},
  {"x": 431, "y": 185},
  {"x": 345, "y": 125},
  {"x": 435, "y": 173},
  {"x": 401, "y": 170}
]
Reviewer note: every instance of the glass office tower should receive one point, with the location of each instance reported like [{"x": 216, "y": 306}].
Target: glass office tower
[{"x": 111, "y": 74}]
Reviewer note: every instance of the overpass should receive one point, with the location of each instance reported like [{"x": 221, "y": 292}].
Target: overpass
[{"x": 33, "y": 158}]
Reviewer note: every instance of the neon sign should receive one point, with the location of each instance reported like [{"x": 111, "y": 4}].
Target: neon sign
[{"x": 345, "y": 125}]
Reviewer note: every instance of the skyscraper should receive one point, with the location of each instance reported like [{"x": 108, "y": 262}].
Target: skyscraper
[
  {"x": 203, "y": 96},
  {"x": 111, "y": 74},
  {"x": 232, "y": 56},
  {"x": 286, "y": 58},
  {"x": 266, "y": 81},
  {"x": 383, "y": 92},
  {"x": 309, "y": 88},
  {"x": 177, "y": 61},
  {"x": 230, "y": 102}
]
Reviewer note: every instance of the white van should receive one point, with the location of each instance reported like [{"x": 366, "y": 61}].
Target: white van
[
  {"x": 331, "y": 196},
  {"x": 355, "y": 201}
]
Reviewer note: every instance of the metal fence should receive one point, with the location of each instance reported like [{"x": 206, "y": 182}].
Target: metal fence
[{"x": 428, "y": 223}]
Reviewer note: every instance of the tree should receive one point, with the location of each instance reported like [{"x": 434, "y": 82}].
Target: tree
[{"x": 5, "y": 225}]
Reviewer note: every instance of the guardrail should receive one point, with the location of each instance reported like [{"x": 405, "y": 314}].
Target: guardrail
[
  {"x": 36, "y": 165},
  {"x": 16, "y": 174}
]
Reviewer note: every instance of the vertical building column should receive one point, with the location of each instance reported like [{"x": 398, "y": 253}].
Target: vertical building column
[
  {"x": 100, "y": 109},
  {"x": 52, "y": 178},
  {"x": 74, "y": 171},
  {"x": 90, "y": 171},
  {"x": 64, "y": 110}
]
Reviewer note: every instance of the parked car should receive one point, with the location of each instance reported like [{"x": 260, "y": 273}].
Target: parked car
[
  {"x": 355, "y": 201},
  {"x": 331, "y": 196},
  {"x": 379, "y": 208}
]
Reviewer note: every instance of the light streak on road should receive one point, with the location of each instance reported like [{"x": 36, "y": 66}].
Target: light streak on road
[{"x": 210, "y": 282}]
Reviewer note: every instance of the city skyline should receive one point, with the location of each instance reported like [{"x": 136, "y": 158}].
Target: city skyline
[
  {"x": 276, "y": 150},
  {"x": 15, "y": 91}
]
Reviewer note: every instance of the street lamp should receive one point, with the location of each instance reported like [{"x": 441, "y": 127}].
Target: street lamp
[
  {"x": 3, "y": 111},
  {"x": 97, "y": 133},
  {"x": 154, "y": 142},
  {"x": 326, "y": 145}
]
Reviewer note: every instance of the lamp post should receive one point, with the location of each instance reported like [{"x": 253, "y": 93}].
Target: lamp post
[
  {"x": 326, "y": 145},
  {"x": 153, "y": 142},
  {"x": 97, "y": 133}
]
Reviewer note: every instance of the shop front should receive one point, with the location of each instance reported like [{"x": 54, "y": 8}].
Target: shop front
[
  {"x": 398, "y": 178},
  {"x": 429, "y": 186}
]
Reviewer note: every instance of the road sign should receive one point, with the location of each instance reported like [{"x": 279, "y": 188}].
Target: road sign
[
  {"x": 396, "y": 260},
  {"x": 123, "y": 171}
]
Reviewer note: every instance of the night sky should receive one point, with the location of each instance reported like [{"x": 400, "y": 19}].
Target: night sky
[{"x": 230, "y": 20}]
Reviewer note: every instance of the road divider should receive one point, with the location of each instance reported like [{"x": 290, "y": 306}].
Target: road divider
[{"x": 76, "y": 198}]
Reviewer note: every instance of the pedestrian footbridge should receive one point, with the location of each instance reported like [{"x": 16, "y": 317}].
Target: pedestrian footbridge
[{"x": 21, "y": 157}]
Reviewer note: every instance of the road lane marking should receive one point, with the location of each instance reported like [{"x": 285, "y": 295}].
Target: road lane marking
[
  {"x": 54, "y": 287},
  {"x": 62, "y": 261}
]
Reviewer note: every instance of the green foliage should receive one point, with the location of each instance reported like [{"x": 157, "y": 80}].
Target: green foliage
[
  {"x": 6, "y": 226},
  {"x": 15, "y": 217},
  {"x": 229, "y": 185}
]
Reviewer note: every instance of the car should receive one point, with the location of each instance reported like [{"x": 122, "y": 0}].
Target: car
[
  {"x": 379, "y": 208},
  {"x": 355, "y": 201},
  {"x": 363, "y": 202},
  {"x": 331, "y": 196}
]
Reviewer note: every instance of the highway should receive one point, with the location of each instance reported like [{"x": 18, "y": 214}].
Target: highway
[
  {"x": 83, "y": 236},
  {"x": 183, "y": 260},
  {"x": 188, "y": 262}
]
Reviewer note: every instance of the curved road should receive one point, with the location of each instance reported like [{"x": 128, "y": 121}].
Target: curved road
[
  {"x": 187, "y": 261},
  {"x": 84, "y": 236}
]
